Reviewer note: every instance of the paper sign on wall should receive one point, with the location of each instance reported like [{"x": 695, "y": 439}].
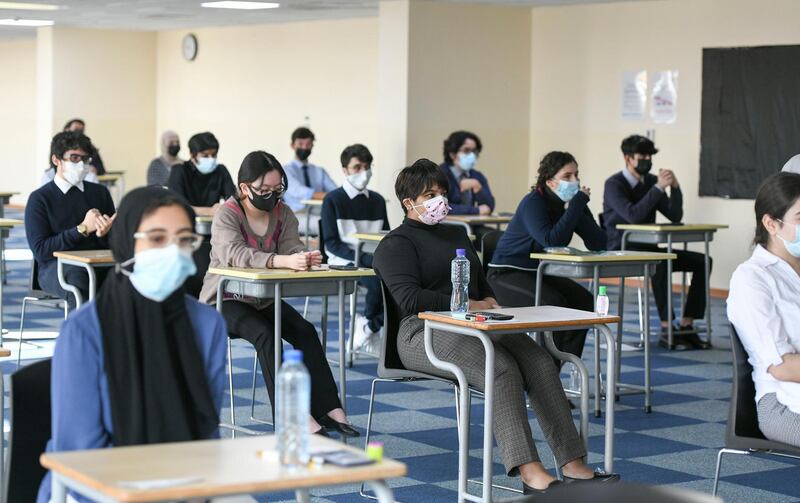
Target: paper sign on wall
[
  {"x": 664, "y": 105},
  {"x": 634, "y": 95}
]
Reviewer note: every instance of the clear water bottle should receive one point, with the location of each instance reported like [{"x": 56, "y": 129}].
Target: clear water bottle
[
  {"x": 292, "y": 410},
  {"x": 602, "y": 302},
  {"x": 574, "y": 378},
  {"x": 459, "y": 275}
]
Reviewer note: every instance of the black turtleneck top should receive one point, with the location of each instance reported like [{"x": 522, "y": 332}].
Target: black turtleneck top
[{"x": 414, "y": 262}]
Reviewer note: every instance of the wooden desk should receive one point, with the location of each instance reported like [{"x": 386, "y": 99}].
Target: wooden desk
[
  {"x": 468, "y": 221},
  {"x": 546, "y": 319},
  {"x": 609, "y": 264},
  {"x": 209, "y": 468},
  {"x": 202, "y": 225},
  {"x": 5, "y": 198},
  {"x": 6, "y": 224},
  {"x": 280, "y": 283},
  {"x": 88, "y": 259},
  {"x": 656, "y": 234}
]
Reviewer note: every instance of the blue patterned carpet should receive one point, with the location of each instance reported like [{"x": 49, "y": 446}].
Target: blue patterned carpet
[{"x": 675, "y": 445}]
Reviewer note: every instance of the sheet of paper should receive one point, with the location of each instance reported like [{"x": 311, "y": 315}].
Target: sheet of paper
[
  {"x": 634, "y": 95},
  {"x": 664, "y": 100}
]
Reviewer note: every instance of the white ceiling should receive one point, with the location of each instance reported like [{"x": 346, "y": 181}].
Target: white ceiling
[{"x": 181, "y": 14}]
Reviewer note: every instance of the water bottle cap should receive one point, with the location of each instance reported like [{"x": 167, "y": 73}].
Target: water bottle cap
[
  {"x": 292, "y": 355},
  {"x": 602, "y": 290},
  {"x": 461, "y": 252}
]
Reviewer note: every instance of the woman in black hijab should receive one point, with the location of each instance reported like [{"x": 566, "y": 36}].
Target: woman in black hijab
[{"x": 144, "y": 363}]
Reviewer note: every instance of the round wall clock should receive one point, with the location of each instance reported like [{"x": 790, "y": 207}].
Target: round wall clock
[{"x": 189, "y": 47}]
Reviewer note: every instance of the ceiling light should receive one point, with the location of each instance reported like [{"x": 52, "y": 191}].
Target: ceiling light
[
  {"x": 230, "y": 4},
  {"x": 27, "y": 6},
  {"x": 25, "y": 22}
]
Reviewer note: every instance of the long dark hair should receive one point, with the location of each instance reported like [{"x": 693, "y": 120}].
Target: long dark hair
[
  {"x": 775, "y": 196},
  {"x": 551, "y": 164},
  {"x": 257, "y": 164}
]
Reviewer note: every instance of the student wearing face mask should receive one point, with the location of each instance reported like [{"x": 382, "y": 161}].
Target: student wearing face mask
[
  {"x": 551, "y": 214},
  {"x": 413, "y": 261},
  {"x": 204, "y": 183},
  {"x": 143, "y": 363},
  {"x": 764, "y": 306},
  {"x": 159, "y": 169},
  {"x": 257, "y": 230},
  {"x": 468, "y": 188},
  {"x": 350, "y": 209},
  {"x": 633, "y": 196},
  {"x": 306, "y": 180},
  {"x": 96, "y": 166},
  {"x": 68, "y": 213}
]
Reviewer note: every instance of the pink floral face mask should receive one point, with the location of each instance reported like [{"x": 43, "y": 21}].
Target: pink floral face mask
[{"x": 436, "y": 210}]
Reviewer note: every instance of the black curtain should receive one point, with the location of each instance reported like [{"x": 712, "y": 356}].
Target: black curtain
[{"x": 750, "y": 123}]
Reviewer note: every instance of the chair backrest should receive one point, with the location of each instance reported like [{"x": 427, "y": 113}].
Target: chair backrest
[
  {"x": 488, "y": 246},
  {"x": 743, "y": 415},
  {"x": 389, "y": 357},
  {"x": 321, "y": 247},
  {"x": 30, "y": 430}
]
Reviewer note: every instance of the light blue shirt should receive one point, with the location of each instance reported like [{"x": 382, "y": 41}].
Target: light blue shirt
[
  {"x": 81, "y": 407},
  {"x": 298, "y": 190}
]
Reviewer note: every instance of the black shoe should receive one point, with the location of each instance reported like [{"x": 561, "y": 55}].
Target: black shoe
[
  {"x": 694, "y": 340},
  {"x": 343, "y": 428},
  {"x": 599, "y": 478},
  {"x": 322, "y": 432},
  {"x": 678, "y": 342},
  {"x": 527, "y": 490}
]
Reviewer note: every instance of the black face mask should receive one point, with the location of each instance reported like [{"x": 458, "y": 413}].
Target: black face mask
[
  {"x": 644, "y": 166},
  {"x": 173, "y": 150},
  {"x": 264, "y": 202},
  {"x": 302, "y": 153}
]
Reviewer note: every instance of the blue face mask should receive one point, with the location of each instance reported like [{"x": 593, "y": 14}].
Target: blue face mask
[
  {"x": 567, "y": 190},
  {"x": 467, "y": 161},
  {"x": 158, "y": 272},
  {"x": 206, "y": 165},
  {"x": 793, "y": 247}
]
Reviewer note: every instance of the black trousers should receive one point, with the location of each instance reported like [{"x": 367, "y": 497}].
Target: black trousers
[
  {"x": 202, "y": 259},
  {"x": 76, "y": 276},
  {"x": 517, "y": 288},
  {"x": 257, "y": 327},
  {"x": 687, "y": 261},
  {"x": 373, "y": 303}
]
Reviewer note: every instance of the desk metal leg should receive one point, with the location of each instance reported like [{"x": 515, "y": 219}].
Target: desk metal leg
[
  {"x": 278, "y": 339},
  {"x": 609, "y": 348},
  {"x": 308, "y": 225},
  {"x": 611, "y": 372},
  {"x": 353, "y": 306},
  {"x": 342, "y": 368},
  {"x": 66, "y": 286},
  {"x": 58, "y": 491},
  {"x": 584, "y": 373},
  {"x": 707, "y": 271},
  {"x": 92, "y": 281},
  {"x": 220, "y": 289},
  {"x": 2, "y": 253},
  {"x": 302, "y": 496},
  {"x": 382, "y": 491},
  {"x": 670, "y": 314},
  {"x": 646, "y": 322}
]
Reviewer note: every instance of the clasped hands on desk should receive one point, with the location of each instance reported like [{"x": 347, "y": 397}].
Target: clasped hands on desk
[{"x": 546, "y": 319}]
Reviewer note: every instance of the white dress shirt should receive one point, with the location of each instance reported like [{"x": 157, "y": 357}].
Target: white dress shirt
[
  {"x": 764, "y": 306},
  {"x": 50, "y": 174},
  {"x": 65, "y": 185}
]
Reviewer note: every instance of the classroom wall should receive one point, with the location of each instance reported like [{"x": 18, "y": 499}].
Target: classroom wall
[
  {"x": 18, "y": 168},
  {"x": 579, "y": 54},
  {"x": 107, "y": 78},
  {"x": 253, "y": 85}
]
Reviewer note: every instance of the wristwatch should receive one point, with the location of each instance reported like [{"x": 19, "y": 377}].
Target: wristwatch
[{"x": 83, "y": 230}]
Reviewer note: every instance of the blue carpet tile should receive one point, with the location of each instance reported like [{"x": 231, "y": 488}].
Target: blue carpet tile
[{"x": 675, "y": 445}]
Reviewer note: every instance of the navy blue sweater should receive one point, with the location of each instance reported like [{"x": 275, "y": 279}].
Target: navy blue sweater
[
  {"x": 454, "y": 192},
  {"x": 52, "y": 218},
  {"x": 541, "y": 221},
  {"x": 342, "y": 216},
  {"x": 625, "y": 205}
]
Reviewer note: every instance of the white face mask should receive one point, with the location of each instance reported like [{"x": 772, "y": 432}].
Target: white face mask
[
  {"x": 73, "y": 172},
  {"x": 361, "y": 179}
]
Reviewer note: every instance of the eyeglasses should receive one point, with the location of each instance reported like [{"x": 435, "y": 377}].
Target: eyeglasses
[
  {"x": 279, "y": 190},
  {"x": 78, "y": 158},
  {"x": 162, "y": 239}
]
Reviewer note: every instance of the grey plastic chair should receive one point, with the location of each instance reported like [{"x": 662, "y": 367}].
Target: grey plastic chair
[
  {"x": 742, "y": 435},
  {"x": 39, "y": 297}
]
